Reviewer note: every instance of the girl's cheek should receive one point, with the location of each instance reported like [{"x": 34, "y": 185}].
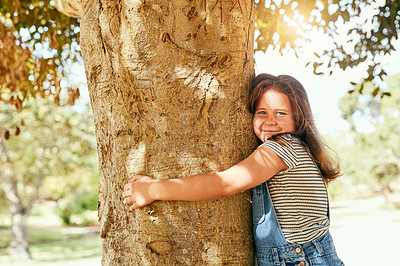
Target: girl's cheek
[{"x": 256, "y": 130}]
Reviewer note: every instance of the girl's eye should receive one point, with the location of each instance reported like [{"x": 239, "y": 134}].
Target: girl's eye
[
  {"x": 261, "y": 113},
  {"x": 280, "y": 114}
]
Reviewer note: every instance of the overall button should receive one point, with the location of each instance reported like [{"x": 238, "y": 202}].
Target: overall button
[
  {"x": 302, "y": 263},
  {"x": 298, "y": 250}
]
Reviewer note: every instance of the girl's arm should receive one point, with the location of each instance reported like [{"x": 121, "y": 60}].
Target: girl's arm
[{"x": 261, "y": 165}]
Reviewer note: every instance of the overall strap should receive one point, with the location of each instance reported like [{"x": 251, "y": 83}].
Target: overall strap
[{"x": 266, "y": 228}]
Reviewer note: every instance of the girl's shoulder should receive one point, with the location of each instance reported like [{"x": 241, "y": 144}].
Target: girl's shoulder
[{"x": 287, "y": 147}]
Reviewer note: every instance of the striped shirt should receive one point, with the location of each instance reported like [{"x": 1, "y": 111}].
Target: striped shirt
[{"x": 299, "y": 193}]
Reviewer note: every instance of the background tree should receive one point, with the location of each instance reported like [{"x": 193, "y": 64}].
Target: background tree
[
  {"x": 37, "y": 43},
  {"x": 59, "y": 146},
  {"x": 374, "y": 154}
]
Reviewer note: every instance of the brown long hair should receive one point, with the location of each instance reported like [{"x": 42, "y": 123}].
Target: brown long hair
[{"x": 306, "y": 130}]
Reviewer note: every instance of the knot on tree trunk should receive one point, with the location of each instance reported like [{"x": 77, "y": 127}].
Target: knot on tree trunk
[{"x": 161, "y": 247}]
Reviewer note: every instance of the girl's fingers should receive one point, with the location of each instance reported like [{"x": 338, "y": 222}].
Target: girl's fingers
[
  {"x": 134, "y": 178},
  {"x": 128, "y": 200},
  {"x": 134, "y": 206},
  {"x": 129, "y": 195},
  {"x": 127, "y": 187},
  {"x": 127, "y": 190},
  {"x": 126, "y": 194}
]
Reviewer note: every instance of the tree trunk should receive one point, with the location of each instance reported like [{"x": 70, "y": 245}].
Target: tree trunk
[
  {"x": 19, "y": 248},
  {"x": 168, "y": 82}
]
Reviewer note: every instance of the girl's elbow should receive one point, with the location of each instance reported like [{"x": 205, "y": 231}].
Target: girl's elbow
[
  {"x": 230, "y": 190},
  {"x": 228, "y": 186}
]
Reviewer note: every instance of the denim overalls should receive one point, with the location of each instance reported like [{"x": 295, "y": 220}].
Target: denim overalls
[{"x": 271, "y": 248}]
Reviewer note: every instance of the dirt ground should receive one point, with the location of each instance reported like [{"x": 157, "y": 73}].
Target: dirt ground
[{"x": 366, "y": 231}]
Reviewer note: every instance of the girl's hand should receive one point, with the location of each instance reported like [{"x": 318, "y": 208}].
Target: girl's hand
[{"x": 137, "y": 191}]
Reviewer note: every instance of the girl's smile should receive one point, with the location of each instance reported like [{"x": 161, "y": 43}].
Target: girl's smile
[{"x": 273, "y": 115}]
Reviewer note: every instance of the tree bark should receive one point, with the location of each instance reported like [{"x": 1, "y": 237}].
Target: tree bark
[
  {"x": 168, "y": 83},
  {"x": 19, "y": 247}
]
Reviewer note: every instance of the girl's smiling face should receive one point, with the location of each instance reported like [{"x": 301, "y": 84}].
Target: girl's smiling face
[{"x": 273, "y": 115}]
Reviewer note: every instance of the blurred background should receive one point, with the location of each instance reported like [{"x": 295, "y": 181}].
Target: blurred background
[{"x": 48, "y": 159}]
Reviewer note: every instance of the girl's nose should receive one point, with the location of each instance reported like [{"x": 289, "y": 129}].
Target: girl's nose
[{"x": 270, "y": 121}]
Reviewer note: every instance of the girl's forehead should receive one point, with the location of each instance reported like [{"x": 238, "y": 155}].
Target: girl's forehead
[{"x": 274, "y": 98}]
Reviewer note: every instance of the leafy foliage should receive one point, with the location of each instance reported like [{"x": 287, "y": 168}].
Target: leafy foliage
[
  {"x": 77, "y": 203},
  {"x": 55, "y": 153},
  {"x": 374, "y": 153},
  {"x": 287, "y": 24},
  {"x": 36, "y": 41}
]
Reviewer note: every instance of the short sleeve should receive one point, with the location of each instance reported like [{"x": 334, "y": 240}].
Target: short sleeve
[{"x": 285, "y": 150}]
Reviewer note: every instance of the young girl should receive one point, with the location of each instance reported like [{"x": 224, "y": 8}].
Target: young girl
[{"x": 288, "y": 174}]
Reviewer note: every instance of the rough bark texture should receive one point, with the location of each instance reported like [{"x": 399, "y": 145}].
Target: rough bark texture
[{"x": 168, "y": 82}]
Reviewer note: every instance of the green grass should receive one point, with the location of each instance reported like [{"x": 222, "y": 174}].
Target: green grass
[
  {"x": 36, "y": 235},
  {"x": 50, "y": 241},
  {"x": 54, "y": 244},
  {"x": 73, "y": 249}
]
